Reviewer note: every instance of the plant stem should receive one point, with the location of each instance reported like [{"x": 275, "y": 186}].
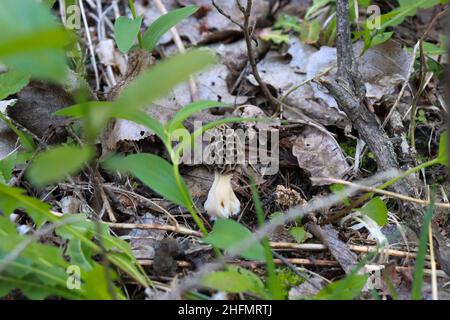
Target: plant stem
[
  {"x": 420, "y": 259},
  {"x": 133, "y": 13},
  {"x": 273, "y": 281},
  {"x": 175, "y": 158},
  {"x": 188, "y": 201},
  {"x": 409, "y": 172}
]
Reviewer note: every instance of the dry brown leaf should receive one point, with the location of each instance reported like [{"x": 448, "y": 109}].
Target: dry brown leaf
[
  {"x": 7, "y": 136},
  {"x": 143, "y": 241},
  {"x": 319, "y": 155},
  {"x": 284, "y": 73},
  {"x": 211, "y": 85}
]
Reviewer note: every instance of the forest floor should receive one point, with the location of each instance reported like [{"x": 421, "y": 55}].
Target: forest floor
[{"x": 315, "y": 150}]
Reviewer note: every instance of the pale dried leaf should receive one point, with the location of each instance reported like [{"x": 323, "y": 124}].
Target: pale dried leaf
[
  {"x": 144, "y": 241},
  {"x": 319, "y": 155},
  {"x": 307, "y": 289},
  {"x": 284, "y": 73}
]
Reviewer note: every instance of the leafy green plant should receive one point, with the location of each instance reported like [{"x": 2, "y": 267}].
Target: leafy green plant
[
  {"x": 308, "y": 31},
  {"x": 40, "y": 270},
  {"x": 423, "y": 240},
  {"x": 236, "y": 280},
  {"x": 230, "y": 235},
  {"x": 298, "y": 233},
  {"x": 348, "y": 288},
  {"x": 371, "y": 35},
  {"x": 376, "y": 210},
  {"x": 36, "y": 45},
  {"x": 441, "y": 159},
  {"x": 88, "y": 243},
  {"x": 127, "y": 30},
  {"x": 12, "y": 82},
  {"x": 163, "y": 24},
  {"x": 407, "y": 8}
]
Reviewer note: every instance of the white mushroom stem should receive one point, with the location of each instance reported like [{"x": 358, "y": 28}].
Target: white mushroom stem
[{"x": 222, "y": 202}]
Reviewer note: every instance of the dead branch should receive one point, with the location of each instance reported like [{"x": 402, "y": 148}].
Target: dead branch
[
  {"x": 355, "y": 248},
  {"x": 349, "y": 92},
  {"x": 247, "y": 30}
]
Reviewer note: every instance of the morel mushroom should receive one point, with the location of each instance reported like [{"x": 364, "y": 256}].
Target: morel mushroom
[{"x": 222, "y": 202}]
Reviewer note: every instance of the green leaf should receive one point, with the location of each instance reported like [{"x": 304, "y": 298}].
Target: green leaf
[
  {"x": 153, "y": 171},
  {"x": 160, "y": 79},
  {"x": 189, "y": 110},
  {"x": 126, "y": 31},
  {"x": 36, "y": 290},
  {"x": 163, "y": 24},
  {"x": 443, "y": 149},
  {"x": 101, "y": 111},
  {"x": 5, "y": 287},
  {"x": 13, "y": 198},
  {"x": 97, "y": 113},
  {"x": 54, "y": 164},
  {"x": 11, "y": 82},
  {"x": 317, "y": 4},
  {"x": 229, "y": 235},
  {"x": 276, "y": 36},
  {"x": 234, "y": 280},
  {"x": 140, "y": 117},
  {"x": 376, "y": 210},
  {"x": 128, "y": 265},
  {"x": 348, "y": 288},
  {"x": 80, "y": 254},
  {"x": 310, "y": 32},
  {"x": 83, "y": 226},
  {"x": 96, "y": 284},
  {"x": 433, "y": 50},
  {"x": 339, "y": 190},
  {"x": 299, "y": 234},
  {"x": 49, "y": 3},
  {"x": 407, "y": 8},
  {"x": 7, "y": 165},
  {"x": 25, "y": 139},
  {"x": 7, "y": 227},
  {"x": 31, "y": 40},
  {"x": 137, "y": 95},
  {"x": 288, "y": 23},
  {"x": 381, "y": 38}
]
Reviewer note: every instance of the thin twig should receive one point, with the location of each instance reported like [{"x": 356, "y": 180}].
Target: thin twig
[
  {"x": 155, "y": 226},
  {"x": 297, "y": 261},
  {"x": 405, "y": 84},
  {"x": 248, "y": 32},
  {"x": 296, "y": 270},
  {"x": 383, "y": 192},
  {"x": 356, "y": 248},
  {"x": 90, "y": 45},
  {"x": 109, "y": 209},
  {"x": 179, "y": 43}
]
